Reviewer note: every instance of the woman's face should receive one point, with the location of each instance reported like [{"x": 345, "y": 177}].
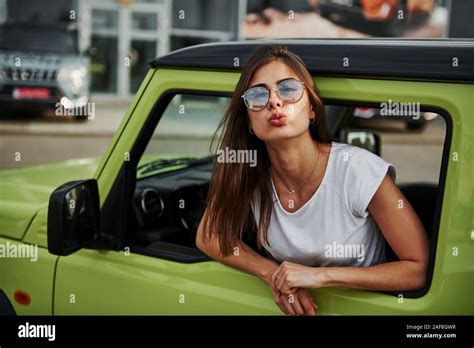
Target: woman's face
[{"x": 278, "y": 120}]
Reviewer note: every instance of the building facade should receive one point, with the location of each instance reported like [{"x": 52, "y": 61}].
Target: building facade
[{"x": 121, "y": 36}]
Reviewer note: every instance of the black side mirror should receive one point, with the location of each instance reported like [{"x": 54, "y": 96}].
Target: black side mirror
[
  {"x": 73, "y": 216},
  {"x": 364, "y": 139}
]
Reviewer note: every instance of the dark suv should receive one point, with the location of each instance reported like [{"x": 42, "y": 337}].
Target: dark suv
[{"x": 41, "y": 68}]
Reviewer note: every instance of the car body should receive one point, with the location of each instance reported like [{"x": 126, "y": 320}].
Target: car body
[
  {"x": 88, "y": 263},
  {"x": 41, "y": 68}
]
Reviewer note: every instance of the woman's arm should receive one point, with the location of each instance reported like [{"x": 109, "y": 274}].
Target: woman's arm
[
  {"x": 249, "y": 261},
  {"x": 404, "y": 232},
  {"x": 246, "y": 260}
]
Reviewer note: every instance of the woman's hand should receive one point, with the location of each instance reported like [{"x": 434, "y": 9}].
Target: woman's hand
[
  {"x": 299, "y": 302},
  {"x": 289, "y": 276}
]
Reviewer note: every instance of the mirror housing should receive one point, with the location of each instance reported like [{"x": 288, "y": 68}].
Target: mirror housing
[
  {"x": 73, "y": 216},
  {"x": 365, "y": 139}
]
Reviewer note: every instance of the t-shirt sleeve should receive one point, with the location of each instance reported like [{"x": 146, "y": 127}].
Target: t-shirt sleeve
[{"x": 366, "y": 171}]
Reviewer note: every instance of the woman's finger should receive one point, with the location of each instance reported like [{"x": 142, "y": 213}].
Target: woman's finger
[
  {"x": 288, "y": 306},
  {"x": 275, "y": 276},
  {"x": 295, "y": 300},
  {"x": 288, "y": 290},
  {"x": 276, "y": 297},
  {"x": 280, "y": 281},
  {"x": 280, "y": 305},
  {"x": 307, "y": 302}
]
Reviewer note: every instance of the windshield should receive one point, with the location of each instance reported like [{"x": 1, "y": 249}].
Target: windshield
[{"x": 36, "y": 39}]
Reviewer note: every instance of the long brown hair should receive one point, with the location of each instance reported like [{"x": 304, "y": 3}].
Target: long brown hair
[{"x": 229, "y": 215}]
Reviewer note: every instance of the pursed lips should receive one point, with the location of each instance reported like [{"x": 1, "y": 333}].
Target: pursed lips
[
  {"x": 277, "y": 119},
  {"x": 276, "y": 116}
]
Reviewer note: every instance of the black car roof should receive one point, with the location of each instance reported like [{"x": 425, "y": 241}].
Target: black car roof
[{"x": 437, "y": 59}]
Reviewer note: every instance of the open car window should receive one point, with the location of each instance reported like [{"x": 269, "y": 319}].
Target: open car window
[
  {"x": 185, "y": 130},
  {"x": 413, "y": 139},
  {"x": 170, "y": 197}
]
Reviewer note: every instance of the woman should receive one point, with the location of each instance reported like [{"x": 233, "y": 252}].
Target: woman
[{"x": 312, "y": 204}]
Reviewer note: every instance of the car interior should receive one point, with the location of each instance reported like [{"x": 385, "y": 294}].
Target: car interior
[{"x": 166, "y": 211}]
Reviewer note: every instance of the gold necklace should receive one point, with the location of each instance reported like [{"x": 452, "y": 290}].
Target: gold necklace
[{"x": 291, "y": 192}]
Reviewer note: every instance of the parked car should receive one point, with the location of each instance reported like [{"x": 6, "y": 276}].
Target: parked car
[
  {"x": 41, "y": 68},
  {"x": 377, "y": 17},
  {"x": 115, "y": 238},
  {"x": 414, "y": 122}
]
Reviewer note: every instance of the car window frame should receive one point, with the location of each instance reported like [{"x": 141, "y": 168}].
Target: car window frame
[
  {"x": 433, "y": 242},
  {"x": 128, "y": 170}
]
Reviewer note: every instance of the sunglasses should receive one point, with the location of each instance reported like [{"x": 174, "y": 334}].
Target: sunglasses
[{"x": 289, "y": 90}]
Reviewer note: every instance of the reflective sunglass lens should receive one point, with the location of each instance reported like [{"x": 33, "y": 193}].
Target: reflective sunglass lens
[
  {"x": 290, "y": 90},
  {"x": 256, "y": 98}
]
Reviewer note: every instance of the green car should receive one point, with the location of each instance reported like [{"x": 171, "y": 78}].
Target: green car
[{"x": 118, "y": 234}]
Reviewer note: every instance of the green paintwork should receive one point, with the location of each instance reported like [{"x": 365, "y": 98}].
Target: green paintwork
[
  {"x": 118, "y": 282},
  {"x": 34, "y": 277},
  {"x": 23, "y": 191},
  {"x": 18, "y": 208}
]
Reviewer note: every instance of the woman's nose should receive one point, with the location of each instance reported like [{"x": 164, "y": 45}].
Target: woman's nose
[{"x": 274, "y": 100}]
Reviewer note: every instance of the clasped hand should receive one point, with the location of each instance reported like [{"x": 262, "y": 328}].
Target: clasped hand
[{"x": 290, "y": 285}]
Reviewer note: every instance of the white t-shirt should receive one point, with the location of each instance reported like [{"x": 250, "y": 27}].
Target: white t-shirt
[{"x": 333, "y": 228}]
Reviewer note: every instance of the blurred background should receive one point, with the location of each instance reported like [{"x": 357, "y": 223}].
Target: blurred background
[
  {"x": 94, "y": 53},
  {"x": 122, "y": 35}
]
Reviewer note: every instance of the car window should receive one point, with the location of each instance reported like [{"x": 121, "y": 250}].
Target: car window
[
  {"x": 413, "y": 143},
  {"x": 186, "y": 127},
  {"x": 413, "y": 139},
  {"x": 36, "y": 39},
  {"x": 190, "y": 121}
]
